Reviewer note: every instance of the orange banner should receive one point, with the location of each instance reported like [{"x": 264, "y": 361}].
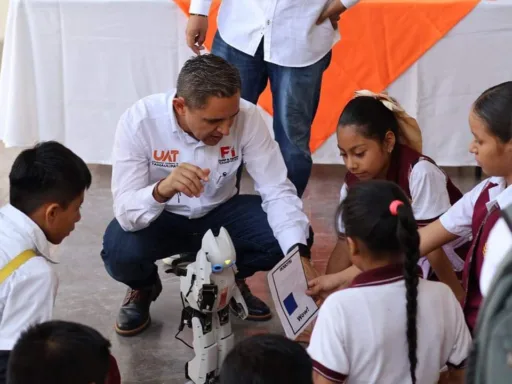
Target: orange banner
[{"x": 380, "y": 39}]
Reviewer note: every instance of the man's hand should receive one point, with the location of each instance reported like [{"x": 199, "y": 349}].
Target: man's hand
[
  {"x": 196, "y": 32},
  {"x": 186, "y": 178},
  {"x": 332, "y": 11},
  {"x": 323, "y": 286}
]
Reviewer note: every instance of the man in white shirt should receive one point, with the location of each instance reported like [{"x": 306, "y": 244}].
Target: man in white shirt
[
  {"x": 287, "y": 42},
  {"x": 175, "y": 163}
]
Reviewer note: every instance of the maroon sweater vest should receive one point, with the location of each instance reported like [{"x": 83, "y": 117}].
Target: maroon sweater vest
[{"x": 482, "y": 223}]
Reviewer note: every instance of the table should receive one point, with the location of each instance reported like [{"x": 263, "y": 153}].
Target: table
[{"x": 71, "y": 67}]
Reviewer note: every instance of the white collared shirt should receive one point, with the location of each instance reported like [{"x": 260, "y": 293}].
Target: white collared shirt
[
  {"x": 28, "y": 295},
  {"x": 360, "y": 332},
  {"x": 499, "y": 245},
  {"x": 292, "y": 38},
  {"x": 149, "y": 144},
  {"x": 458, "y": 219}
]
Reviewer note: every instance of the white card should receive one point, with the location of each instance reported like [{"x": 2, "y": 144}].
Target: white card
[{"x": 288, "y": 285}]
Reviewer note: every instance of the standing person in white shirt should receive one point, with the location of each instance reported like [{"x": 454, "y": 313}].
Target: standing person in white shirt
[
  {"x": 287, "y": 42},
  {"x": 175, "y": 163},
  {"x": 46, "y": 190},
  {"x": 389, "y": 326}
]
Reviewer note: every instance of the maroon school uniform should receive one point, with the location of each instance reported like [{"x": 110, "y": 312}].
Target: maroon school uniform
[
  {"x": 360, "y": 333},
  {"x": 482, "y": 223},
  {"x": 403, "y": 161},
  {"x": 475, "y": 215}
]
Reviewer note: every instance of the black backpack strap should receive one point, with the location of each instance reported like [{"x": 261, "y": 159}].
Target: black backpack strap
[{"x": 507, "y": 215}]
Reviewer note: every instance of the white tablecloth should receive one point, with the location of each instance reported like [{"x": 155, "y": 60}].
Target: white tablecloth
[{"x": 71, "y": 67}]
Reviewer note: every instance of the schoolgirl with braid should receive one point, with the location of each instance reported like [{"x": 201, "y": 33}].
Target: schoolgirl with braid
[{"x": 391, "y": 325}]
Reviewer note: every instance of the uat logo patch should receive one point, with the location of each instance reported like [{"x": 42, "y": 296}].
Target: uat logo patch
[{"x": 167, "y": 158}]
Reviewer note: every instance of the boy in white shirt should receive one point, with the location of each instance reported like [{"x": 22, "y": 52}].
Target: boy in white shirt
[{"x": 46, "y": 190}]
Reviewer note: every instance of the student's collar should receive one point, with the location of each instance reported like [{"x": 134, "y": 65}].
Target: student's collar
[
  {"x": 27, "y": 226},
  {"x": 500, "y": 193},
  {"x": 380, "y": 276}
]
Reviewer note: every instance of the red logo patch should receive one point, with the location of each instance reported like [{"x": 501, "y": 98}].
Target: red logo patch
[{"x": 227, "y": 155}]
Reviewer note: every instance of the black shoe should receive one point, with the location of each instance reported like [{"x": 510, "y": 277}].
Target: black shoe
[
  {"x": 133, "y": 317},
  {"x": 258, "y": 310}
]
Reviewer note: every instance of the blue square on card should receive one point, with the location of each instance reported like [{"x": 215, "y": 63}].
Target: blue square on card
[{"x": 290, "y": 304}]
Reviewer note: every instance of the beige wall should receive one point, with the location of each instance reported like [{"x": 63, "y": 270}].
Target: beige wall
[{"x": 3, "y": 17}]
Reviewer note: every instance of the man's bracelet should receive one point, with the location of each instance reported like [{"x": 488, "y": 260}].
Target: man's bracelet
[{"x": 197, "y": 14}]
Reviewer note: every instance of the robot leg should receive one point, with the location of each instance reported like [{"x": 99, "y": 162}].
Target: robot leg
[
  {"x": 225, "y": 336},
  {"x": 202, "y": 368},
  {"x": 239, "y": 303}
]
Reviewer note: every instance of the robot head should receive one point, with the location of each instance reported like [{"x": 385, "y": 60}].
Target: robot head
[{"x": 219, "y": 250}]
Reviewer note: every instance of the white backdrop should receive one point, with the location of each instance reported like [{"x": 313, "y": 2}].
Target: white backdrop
[{"x": 71, "y": 67}]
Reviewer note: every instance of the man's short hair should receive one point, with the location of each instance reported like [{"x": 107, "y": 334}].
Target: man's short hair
[
  {"x": 59, "y": 352},
  {"x": 269, "y": 359},
  {"x": 205, "y": 76},
  {"x": 47, "y": 173}
]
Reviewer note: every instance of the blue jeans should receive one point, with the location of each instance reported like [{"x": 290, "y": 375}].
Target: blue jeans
[
  {"x": 295, "y": 95},
  {"x": 130, "y": 257}
]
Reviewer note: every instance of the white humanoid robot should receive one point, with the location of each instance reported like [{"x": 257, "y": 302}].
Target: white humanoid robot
[{"x": 207, "y": 286}]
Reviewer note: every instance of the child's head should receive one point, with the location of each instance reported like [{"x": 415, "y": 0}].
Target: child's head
[
  {"x": 367, "y": 134},
  {"x": 59, "y": 352},
  {"x": 373, "y": 231},
  {"x": 490, "y": 120},
  {"x": 269, "y": 359},
  {"x": 380, "y": 230},
  {"x": 47, "y": 183}
]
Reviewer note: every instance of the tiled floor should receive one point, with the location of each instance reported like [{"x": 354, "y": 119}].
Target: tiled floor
[{"x": 88, "y": 295}]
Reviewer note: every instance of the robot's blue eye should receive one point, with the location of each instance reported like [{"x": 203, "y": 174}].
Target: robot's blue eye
[{"x": 217, "y": 268}]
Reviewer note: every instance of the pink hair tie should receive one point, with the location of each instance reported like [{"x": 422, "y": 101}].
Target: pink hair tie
[{"x": 393, "y": 207}]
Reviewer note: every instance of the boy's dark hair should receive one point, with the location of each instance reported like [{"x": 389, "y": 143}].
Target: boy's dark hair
[
  {"x": 47, "y": 173},
  {"x": 367, "y": 217},
  {"x": 205, "y": 76},
  {"x": 494, "y": 107},
  {"x": 267, "y": 359},
  {"x": 372, "y": 118},
  {"x": 59, "y": 352}
]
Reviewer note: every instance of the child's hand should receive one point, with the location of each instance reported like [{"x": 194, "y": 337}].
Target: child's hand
[{"x": 323, "y": 286}]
